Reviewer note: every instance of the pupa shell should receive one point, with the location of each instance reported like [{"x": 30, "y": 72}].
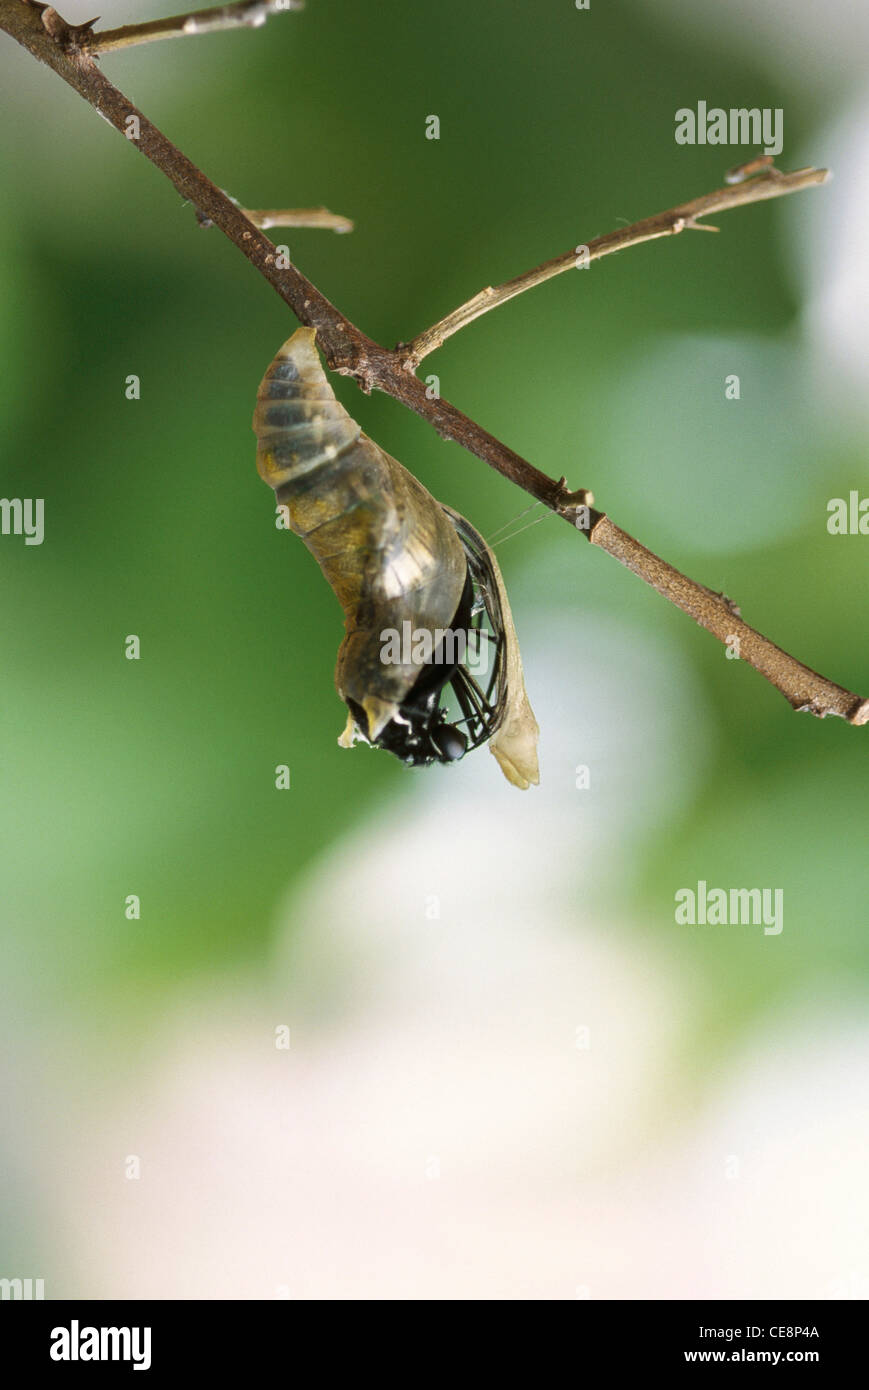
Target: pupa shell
[{"x": 393, "y": 555}]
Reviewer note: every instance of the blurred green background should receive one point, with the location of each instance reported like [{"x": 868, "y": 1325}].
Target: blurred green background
[{"x": 156, "y": 777}]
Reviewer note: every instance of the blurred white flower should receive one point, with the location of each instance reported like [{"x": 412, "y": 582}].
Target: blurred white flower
[
  {"x": 826, "y": 44},
  {"x": 828, "y": 260}
]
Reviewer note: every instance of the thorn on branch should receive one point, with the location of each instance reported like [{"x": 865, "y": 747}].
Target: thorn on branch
[
  {"x": 729, "y": 604},
  {"x": 763, "y": 164},
  {"x": 75, "y": 39},
  {"x": 692, "y": 225},
  {"x": 566, "y": 499}
]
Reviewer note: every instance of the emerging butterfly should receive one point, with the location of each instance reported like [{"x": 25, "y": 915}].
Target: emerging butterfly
[{"x": 423, "y": 598}]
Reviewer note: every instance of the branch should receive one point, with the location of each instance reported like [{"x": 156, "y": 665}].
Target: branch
[
  {"x": 769, "y": 183},
  {"x": 288, "y": 217},
  {"x": 802, "y": 687},
  {"x": 351, "y": 352},
  {"x": 248, "y": 14},
  {"x": 299, "y": 217}
]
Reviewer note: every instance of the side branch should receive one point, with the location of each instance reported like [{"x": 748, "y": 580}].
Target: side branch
[
  {"x": 249, "y": 14},
  {"x": 264, "y": 218},
  {"x": 769, "y": 183},
  {"x": 299, "y": 217}
]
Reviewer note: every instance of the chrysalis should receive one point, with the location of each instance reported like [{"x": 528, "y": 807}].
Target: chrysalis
[{"x": 423, "y": 598}]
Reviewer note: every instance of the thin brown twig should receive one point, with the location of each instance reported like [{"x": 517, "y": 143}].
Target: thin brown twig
[
  {"x": 246, "y": 14},
  {"x": 769, "y": 183},
  {"x": 318, "y": 218},
  {"x": 348, "y": 350},
  {"x": 802, "y": 687},
  {"x": 298, "y": 217}
]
